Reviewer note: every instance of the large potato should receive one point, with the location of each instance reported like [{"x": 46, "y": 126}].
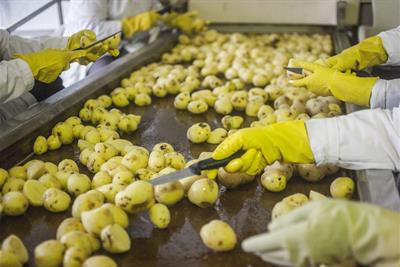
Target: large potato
[
  {"x": 110, "y": 191},
  {"x": 18, "y": 172},
  {"x": 101, "y": 178},
  {"x": 203, "y": 192},
  {"x": 123, "y": 178},
  {"x": 136, "y": 197},
  {"x": 36, "y": 169},
  {"x": 13, "y": 184},
  {"x": 175, "y": 160},
  {"x": 198, "y": 106},
  {"x": 296, "y": 200},
  {"x": 49, "y": 254},
  {"x": 218, "y": 236},
  {"x": 284, "y": 168},
  {"x": 68, "y": 165}
]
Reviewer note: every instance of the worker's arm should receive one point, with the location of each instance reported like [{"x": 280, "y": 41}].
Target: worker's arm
[
  {"x": 391, "y": 40},
  {"x": 368, "y": 139},
  {"x": 386, "y": 94},
  {"x": 10, "y": 44}
]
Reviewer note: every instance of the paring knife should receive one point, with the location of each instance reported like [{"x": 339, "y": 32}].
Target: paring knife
[
  {"x": 99, "y": 41},
  {"x": 195, "y": 169},
  {"x": 301, "y": 71}
]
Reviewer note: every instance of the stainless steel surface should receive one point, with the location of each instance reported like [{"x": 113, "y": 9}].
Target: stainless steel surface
[{"x": 172, "y": 176}]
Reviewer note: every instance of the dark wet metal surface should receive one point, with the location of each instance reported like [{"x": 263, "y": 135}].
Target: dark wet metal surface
[{"x": 247, "y": 209}]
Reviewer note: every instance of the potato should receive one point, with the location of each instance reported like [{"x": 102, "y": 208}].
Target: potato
[
  {"x": 135, "y": 197},
  {"x": 99, "y": 260},
  {"x": 3, "y": 176},
  {"x": 232, "y": 122},
  {"x": 40, "y": 145},
  {"x": 51, "y": 181},
  {"x": 94, "y": 162},
  {"x": 78, "y": 183},
  {"x": 69, "y": 225},
  {"x": 101, "y": 178},
  {"x": 115, "y": 239},
  {"x": 85, "y": 114},
  {"x": 110, "y": 191},
  {"x": 197, "y": 106},
  {"x": 199, "y": 132},
  {"x": 218, "y": 236},
  {"x": 118, "y": 214},
  {"x": 311, "y": 172},
  {"x": 315, "y": 106},
  {"x": 92, "y": 136},
  {"x": 203, "y": 192},
  {"x": 74, "y": 257},
  {"x": 8, "y": 259},
  {"x": 342, "y": 187},
  {"x": 96, "y": 219},
  {"x": 56, "y": 200},
  {"x": 33, "y": 191},
  {"x": 223, "y": 106},
  {"x": 296, "y": 200},
  {"x": 285, "y": 168},
  {"x": 156, "y": 161},
  {"x": 159, "y": 215},
  {"x": 163, "y": 147},
  {"x": 274, "y": 181},
  {"x": 135, "y": 159},
  {"x": 18, "y": 172},
  {"x": 205, "y": 95},
  {"x": 13, "y": 184},
  {"x": 123, "y": 178},
  {"x": 14, "y": 203},
  {"x": 314, "y": 195},
  {"x": 120, "y": 99},
  {"x": 182, "y": 100},
  {"x": 86, "y": 202},
  {"x": 303, "y": 116},
  {"x": 73, "y": 121},
  {"x": 64, "y": 132},
  {"x": 281, "y": 208},
  {"x": 144, "y": 174},
  {"x": 61, "y": 177},
  {"x": 94, "y": 242},
  {"x": 253, "y": 107},
  {"x": 108, "y": 134},
  {"x": 175, "y": 160},
  {"x": 142, "y": 99},
  {"x": 106, "y": 151},
  {"x": 49, "y": 254},
  {"x": 169, "y": 193},
  {"x": 217, "y": 136},
  {"x": 239, "y": 100},
  {"x": 128, "y": 123},
  {"x": 14, "y": 245},
  {"x": 330, "y": 168},
  {"x": 68, "y": 165},
  {"x": 77, "y": 239},
  {"x": 232, "y": 180}
]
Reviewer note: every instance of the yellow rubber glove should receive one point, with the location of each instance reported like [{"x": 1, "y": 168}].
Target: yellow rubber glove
[
  {"x": 325, "y": 81},
  {"x": 141, "y": 22},
  {"x": 287, "y": 141},
  {"x": 331, "y": 232},
  {"x": 46, "y": 65},
  {"x": 187, "y": 22},
  {"x": 367, "y": 53},
  {"x": 81, "y": 39}
]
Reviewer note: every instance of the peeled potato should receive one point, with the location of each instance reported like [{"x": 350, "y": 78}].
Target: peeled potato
[
  {"x": 14, "y": 203},
  {"x": 69, "y": 225},
  {"x": 296, "y": 200},
  {"x": 142, "y": 99},
  {"x": 49, "y": 254},
  {"x": 18, "y": 172},
  {"x": 144, "y": 174},
  {"x": 40, "y": 145},
  {"x": 115, "y": 239},
  {"x": 273, "y": 181},
  {"x": 110, "y": 191},
  {"x": 13, "y": 184},
  {"x": 169, "y": 193},
  {"x": 74, "y": 257},
  {"x": 342, "y": 187},
  {"x": 218, "y": 236},
  {"x": 96, "y": 219},
  {"x": 314, "y": 195},
  {"x": 232, "y": 122},
  {"x": 223, "y": 106},
  {"x": 33, "y": 191},
  {"x": 101, "y": 178},
  {"x": 35, "y": 169},
  {"x": 56, "y": 200},
  {"x": 199, "y": 132},
  {"x": 68, "y": 165},
  {"x": 175, "y": 160},
  {"x": 311, "y": 172},
  {"x": 85, "y": 202},
  {"x": 159, "y": 215},
  {"x": 8, "y": 259},
  {"x": 99, "y": 260},
  {"x": 156, "y": 161},
  {"x": 123, "y": 178},
  {"x": 135, "y": 159},
  {"x": 232, "y": 180},
  {"x": 3, "y": 176},
  {"x": 197, "y": 106},
  {"x": 118, "y": 214},
  {"x": 14, "y": 245},
  {"x": 280, "y": 209},
  {"x": 217, "y": 136},
  {"x": 163, "y": 147},
  {"x": 136, "y": 197},
  {"x": 78, "y": 183},
  {"x": 203, "y": 192},
  {"x": 77, "y": 239},
  {"x": 51, "y": 181}
]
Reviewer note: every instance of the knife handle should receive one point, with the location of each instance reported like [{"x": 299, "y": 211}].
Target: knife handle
[{"x": 210, "y": 163}]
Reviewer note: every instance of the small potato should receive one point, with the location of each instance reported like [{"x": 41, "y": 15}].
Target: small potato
[
  {"x": 33, "y": 191},
  {"x": 101, "y": 178},
  {"x": 69, "y": 225},
  {"x": 78, "y": 183},
  {"x": 8, "y": 259},
  {"x": 169, "y": 193},
  {"x": 51, "y": 181},
  {"x": 14, "y": 203},
  {"x": 281, "y": 208},
  {"x": 203, "y": 192},
  {"x": 311, "y": 172},
  {"x": 110, "y": 191},
  {"x": 56, "y": 200},
  {"x": 156, "y": 161},
  {"x": 223, "y": 106},
  {"x": 40, "y": 145},
  {"x": 199, "y": 132},
  {"x": 77, "y": 239},
  {"x": 14, "y": 245},
  {"x": 218, "y": 236},
  {"x": 119, "y": 215},
  {"x": 128, "y": 123},
  {"x": 120, "y": 100},
  {"x": 135, "y": 159},
  {"x": 115, "y": 239},
  {"x": 136, "y": 197},
  {"x": 68, "y": 165},
  {"x": 342, "y": 187},
  {"x": 123, "y": 178},
  {"x": 175, "y": 160},
  {"x": 53, "y": 142},
  {"x": 49, "y": 254},
  {"x": 314, "y": 195},
  {"x": 273, "y": 181},
  {"x": 144, "y": 174},
  {"x": 239, "y": 100},
  {"x": 64, "y": 131},
  {"x": 252, "y": 108},
  {"x": 296, "y": 200},
  {"x": 96, "y": 219},
  {"x": 106, "y": 151},
  {"x": 232, "y": 122},
  {"x": 142, "y": 99},
  {"x": 74, "y": 257},
  {"x": 86, "y": 202},
  {"x": 94, "y": 162},
  {"x": 217, "y": 136},
  {"x": 13, "y": 184},
  {"x": 232, "y": 180},
  {"x": 159, "y": 215},
  {"x": 99, "y": 260},
  {"x": 197, "y": 106},
  {"x": 85, "y": 114},
  {"x": 18, "y": 172},
  {"x": 182, "y": 100},
  {"x": 163, "y": 147}
]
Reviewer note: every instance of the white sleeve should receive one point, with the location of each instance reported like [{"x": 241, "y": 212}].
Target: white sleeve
[
  {"x": 91, "y": 15},
  {"x": 15, "y": 79},
  {"x": 367, "y": 139},
  {"x": 10, "y": 44},
  {"x": 386, "y": 94},
  {"x": 391, "y": 41}
]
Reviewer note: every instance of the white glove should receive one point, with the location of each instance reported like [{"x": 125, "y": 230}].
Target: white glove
[{"x": 330, "y": 232}]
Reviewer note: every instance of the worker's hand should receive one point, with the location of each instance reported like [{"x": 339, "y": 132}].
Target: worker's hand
[
  {"x": 141, "y": 22},
  {"x": 287, "y": 141},
  {"x": 330, "y": 232},
  {"x": 81, "y": 39},
  {"x": 188, "y": 22},
  {"x": 367, "y": 53},
  {"x": 325, "y": 81},
  {"x": 46, "y": 65}
]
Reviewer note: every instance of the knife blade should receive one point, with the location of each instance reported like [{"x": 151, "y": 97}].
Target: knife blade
[
  {"x": 294, "y": 70},
  {"x": 98, "y": 41},
  {"x": 195, "y": 169}
]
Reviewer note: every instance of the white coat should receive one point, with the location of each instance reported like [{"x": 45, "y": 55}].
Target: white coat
[
  {"x": 15, "y": 75},
  {"x": 368, "y": 139},
  {"x": 104, "y": 18}
]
